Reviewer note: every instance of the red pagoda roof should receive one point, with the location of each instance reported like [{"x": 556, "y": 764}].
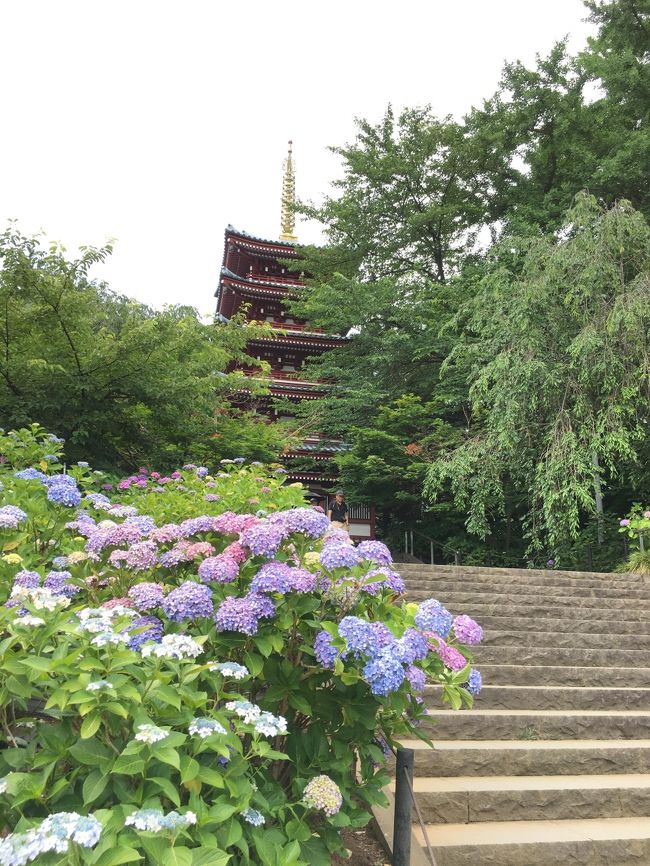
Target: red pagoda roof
[{"x": 278, "y": 249}]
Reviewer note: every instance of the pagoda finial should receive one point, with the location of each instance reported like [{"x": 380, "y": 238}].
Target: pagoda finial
[{"x": 288, "y": 198}]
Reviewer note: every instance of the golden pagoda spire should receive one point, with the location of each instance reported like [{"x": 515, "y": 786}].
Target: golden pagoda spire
[{"x": 288, "y": 199}]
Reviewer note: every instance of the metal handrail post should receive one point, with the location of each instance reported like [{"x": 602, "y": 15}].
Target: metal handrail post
[{"x": 402, "y": 829}]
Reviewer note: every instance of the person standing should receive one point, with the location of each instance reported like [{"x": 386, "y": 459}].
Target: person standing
[{"x": 338, "y": 512}]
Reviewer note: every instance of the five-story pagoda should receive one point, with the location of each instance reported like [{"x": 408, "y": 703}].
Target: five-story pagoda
[{"x": 257, "y": 277}]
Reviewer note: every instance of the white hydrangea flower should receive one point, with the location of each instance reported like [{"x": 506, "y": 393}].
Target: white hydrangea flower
[
  {"x": 97, "y": 685},
  {"x": 30, "y": 620},
  {"x": 205, "y": 727},
  {"x": 173, "y": 646},
  {"x": 151, "y": 734},
  {"x": 245, "y": 710}
]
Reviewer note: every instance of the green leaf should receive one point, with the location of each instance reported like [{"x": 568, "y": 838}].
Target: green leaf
[
  {"x": 38, "y": 663},
  {"x": 190, "y": 769},
  {"x": 121, "y": 854},
  {"x": 209, "y": 857},
  {"x": 298, "y": 702},
  {"x": 94, "y": 785},
  {"x": 128, "y": 765},
  {"x": 264, "y": 645},
  {"x": 168, "y": 788},
  {"x": 167, "y": 695},
  {"x": 211, "y": 777},
  {"x": 92, "y": 753},
  {"x": 177, "y": 857},
  {"x": 90, "y": 726},
  {"x": 168, "y": 756}
]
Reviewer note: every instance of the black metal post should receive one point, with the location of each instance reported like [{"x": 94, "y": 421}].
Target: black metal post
[{"x": 402, "y": 820}]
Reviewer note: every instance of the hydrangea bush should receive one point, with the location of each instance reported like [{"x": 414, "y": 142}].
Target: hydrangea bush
[
  {"x": 197, "y": 669},
  {"x": 637, "y": 526}
]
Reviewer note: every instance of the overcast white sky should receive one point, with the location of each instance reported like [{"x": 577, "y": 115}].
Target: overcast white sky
[{"x": 158, "y": 123}]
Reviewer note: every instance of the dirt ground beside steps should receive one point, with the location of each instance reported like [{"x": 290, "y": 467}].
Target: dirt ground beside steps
[{"x": 364, "y": 849}]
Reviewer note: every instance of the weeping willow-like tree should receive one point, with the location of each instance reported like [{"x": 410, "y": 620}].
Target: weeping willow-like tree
[{"x": 555, "y": 347}]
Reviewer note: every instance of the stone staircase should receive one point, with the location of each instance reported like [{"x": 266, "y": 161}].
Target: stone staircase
[{"x": 552, "y": 765}]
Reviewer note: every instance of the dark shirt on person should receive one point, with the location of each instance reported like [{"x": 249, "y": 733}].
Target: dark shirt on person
[{"x": 339, "y": 512}]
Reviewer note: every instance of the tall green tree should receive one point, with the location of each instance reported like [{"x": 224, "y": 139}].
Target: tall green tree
[
  {"x": 556, "y": 350},
  {"x": 121, "y": 382}
]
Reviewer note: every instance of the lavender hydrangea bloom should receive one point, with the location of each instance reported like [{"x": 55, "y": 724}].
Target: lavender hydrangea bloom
[
  {"x": 98, "y": 501},
  {"x": 142, "y": 556},
  {"x": 264, "y": 538},
  {"x": 243, "y": 614},
  {"x": 31, "y": 474},
  {"x": 11, "y": 517},
  {"x": 64, "y": 494},
  {"x": 433, "y": 616},
  {"x": 195, "y": 525},
  {"x": 220, "y": 569},
  {"x": 474, "y": 682},
  {"x": 376, "y": 551},
  {"x": 28, "y": 579},
  {"x": 384, "y": 673},
  {"x": 146, "y": 628},
  {"x": 451, "y": 657},
  {"x": 273, "y": 576},
  {"x": 165, "y": 534},
  {"x": 189, "y": 601},
  {"x": 412, "y": 646},
  {"x": 337, "y": 555},
  {"x": 467, "y": 630},
  {"x": 306, "y": 520},
  {"x": 302, "y": 581},
  {"x": 383, "y": 636},
  {"x": 146, "y": 596},
  {"x": 392, "y": 581},
  {"x": 416, "y": 678},
  {"x": 57, "y": 583},
  {"x": 358, "y": 634},
  {"x": 145, "y": 524},
  {"x": 325, "y": 652}
]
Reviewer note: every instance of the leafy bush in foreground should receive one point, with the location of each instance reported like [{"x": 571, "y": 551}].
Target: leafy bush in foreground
[{"x": 199, "y": 670}]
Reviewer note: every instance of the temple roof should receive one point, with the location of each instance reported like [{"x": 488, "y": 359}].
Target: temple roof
[{"x": 260, "y": 244}]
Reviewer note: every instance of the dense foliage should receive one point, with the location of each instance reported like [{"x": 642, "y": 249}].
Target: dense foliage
[
  {"x": 496, "y": 270},
  {"x": 195, "y": 668},
  {"x": 122, "y": 383}
]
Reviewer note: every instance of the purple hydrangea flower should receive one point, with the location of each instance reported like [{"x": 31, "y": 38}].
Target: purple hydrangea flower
[
  {"x": 474, "y": 682},
  {"x": 27, "y": 579},
  {"x": 146, "y": 628},
  {"x": 64, "y": 494},
  {"x": 301, "y": 580},
  {"x": 189, "y": 601},
  {"x": 11, "y": 516},
  {"x": 337, "y": 555},
  {"x": 142, "y": 556},
  {"x": 383, "y": 636},
  {"x": 394, "y": 582},
  {"x": 306, "y": 520},
  {"x": 218, "y": 569},
  {"x": 243, "y": 614},
  {"x": 145, "y": 524},
  {"x": 165, "y": 534},
  {"x": 325, "y": 652},
  {"x": 412, "y": 646},
  {"x": 376, "y": 551},
  {"x": 384, "y": 673},
  {"x": 264, "y": 538},
  {"x": 416, "y": 678},
  {"x": 467, "y": 630},
  {"x": 358, "y": 634},
  {"x": 195, "y": 525},
  {"x": 57, "y": 583},
  {"x": 31, "y": 474},
  {"x": 146, "y": 596},
  {"x": 433, "y": 616},
  {"x": 273, "y": 576},
  {"x": 451, "y": 657},
  {"x": 624, "y": 522},
  {"x": 202, "y": 471}
]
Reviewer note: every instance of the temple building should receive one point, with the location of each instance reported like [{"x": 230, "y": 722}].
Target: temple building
[{"x": 258, "y": 276}]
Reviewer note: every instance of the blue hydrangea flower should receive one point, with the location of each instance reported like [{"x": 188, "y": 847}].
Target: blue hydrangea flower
[
  {"x": 264, "y": 539},
  {"x": 416, "y": 678},
  {"x": 64, "y": 494},
  {"x": 189, "y": 601},
  {"x": 253, "y": 817},
  {"x": 31, "y": 474},
  {"x": 144, "y": 628},
  {"x": 376, "y": 551},
  {"x": 359, "y": 635},
  {"x": 11, "y": 516},
  {"x": 339, "y": 555},
  {"x": 218, "y": 569},
  {"x": 433, "y": 616},
  {"x": 412, "y": 646},
  {"x": 243, "y": 614},
  {"x": 325, "y": 652},
  {"x": 273, "y": 576},
  {"x": 28, "y": 579},
  {"x": 146, "y": 596},
  {"x": 474, "y": 682},
  {"x": 306, "y": 520},
  {"x": 384, "y": 673},
  {"x": 57, "y": 583}
]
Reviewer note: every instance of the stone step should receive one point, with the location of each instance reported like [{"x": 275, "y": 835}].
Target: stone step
[
  {"x": 474, "y": 799},
  {"x": 503, "y": 578},
  {"x": 545, "y": 573},
  {"x": 579, "y": 625},
  {"x": 546, "y": 610},
  {"x": 529, "y": 757},
  {"x": 442, "y": 589},
  {"x": 561, "y": 675},
  {"x": 460, "y": 600},
  {"x": 552, "y": 697},
  {"x": 529, "y": 725},
  {"x": 592, "y": 842},
  {"x": 589, "y": 640},
  {"x": 563, "y": 656}
]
